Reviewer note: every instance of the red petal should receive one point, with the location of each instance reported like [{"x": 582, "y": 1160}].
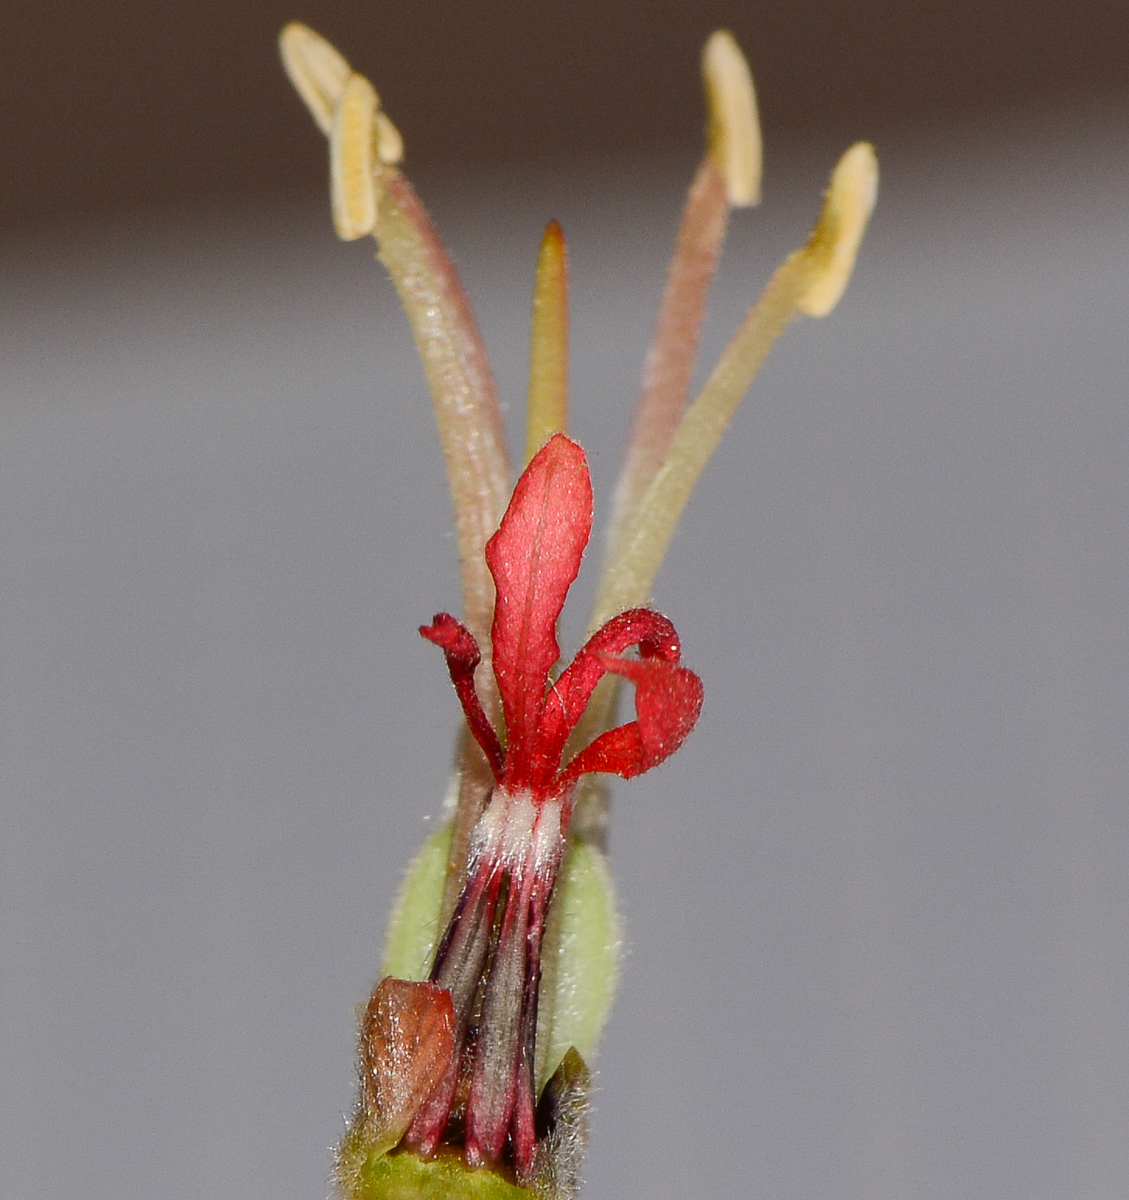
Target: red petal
[
  {"x": 463, "y": 655},
  {"x": 534, "y": 557},
  {"x": 650, "y": 631},
  {"x": 668, "y": 699}
]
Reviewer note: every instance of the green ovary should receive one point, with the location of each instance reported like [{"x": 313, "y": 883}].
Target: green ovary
[{"x": 406, "y": 1177}]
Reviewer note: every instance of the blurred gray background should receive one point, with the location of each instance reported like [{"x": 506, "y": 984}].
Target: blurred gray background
[{"x": 877, "y": 909}]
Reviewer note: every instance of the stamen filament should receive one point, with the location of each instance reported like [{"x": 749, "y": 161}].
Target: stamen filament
[
  {"x": 548, "y": 344},
  {"x": 461, "y": 383},
  {"x": 474, "y": 449},
  {"x": 670, "y": 360}
]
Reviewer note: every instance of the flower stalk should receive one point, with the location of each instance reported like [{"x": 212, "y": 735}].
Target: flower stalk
[{"x": 503, "y": 948}]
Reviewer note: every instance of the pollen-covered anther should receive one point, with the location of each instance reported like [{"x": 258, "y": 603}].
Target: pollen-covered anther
[
  {"x": 352, "y": 160},
  {"x": 733, "y": 133},
  {"x": 834, "y": 243}
]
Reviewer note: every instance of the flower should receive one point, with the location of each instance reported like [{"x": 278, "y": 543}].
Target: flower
[
  {"x": 489, "y": 956},
  {"x": 502, "y": 950}
]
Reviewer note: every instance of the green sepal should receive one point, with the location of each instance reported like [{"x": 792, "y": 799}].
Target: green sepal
[
  {"x": 413, "y": 928},
  {"x": 579, "y": 961}
]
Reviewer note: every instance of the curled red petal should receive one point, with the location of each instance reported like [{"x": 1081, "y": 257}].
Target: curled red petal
[
  {"x": 534, "y": 558},
  {"x": 463, "y": 655},
  {"x": 668, "y": 699},
  {"x": 650, "y": 631}
]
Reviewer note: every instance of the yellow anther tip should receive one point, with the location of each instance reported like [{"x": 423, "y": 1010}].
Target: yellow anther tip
[
  {"x": 733, "y": 133},
  {"x": 316, "y": 69},
  {"x": 835, "y": 241},
  {"x": 352, "y": 160}
]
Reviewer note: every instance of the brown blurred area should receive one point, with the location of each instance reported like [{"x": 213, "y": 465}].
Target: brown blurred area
[{"x": 125, "y": 106}]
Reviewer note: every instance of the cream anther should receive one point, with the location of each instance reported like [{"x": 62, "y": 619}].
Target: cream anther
[
  {"x": 733, "y": 133},
  {"x": 317, "y": 71},
  {"x": 834, "y": 243}
]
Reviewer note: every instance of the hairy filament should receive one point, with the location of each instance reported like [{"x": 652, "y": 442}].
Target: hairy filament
[{"x": 670, "y": 360}]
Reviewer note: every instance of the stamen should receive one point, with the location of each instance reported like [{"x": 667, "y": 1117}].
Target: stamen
[
  {"x": 468, "y": 415},
  {"x": 548, "y": 344},
  {"x": 370, "y": 195},
  {"x": 729, "y": 175},
  {"x": 811, "y": 280},
  {"x": 316, "y": 69},
  {"x": 733, "y": 132}
]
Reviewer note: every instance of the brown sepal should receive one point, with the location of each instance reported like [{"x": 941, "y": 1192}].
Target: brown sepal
[{"x": 407, "y": 1039}]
